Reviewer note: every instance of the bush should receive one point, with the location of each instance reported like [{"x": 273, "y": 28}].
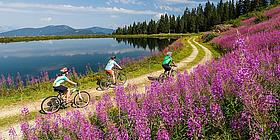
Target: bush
[
  {"x": 260, "y": 17},
  {"x": 209, "y": 36}
]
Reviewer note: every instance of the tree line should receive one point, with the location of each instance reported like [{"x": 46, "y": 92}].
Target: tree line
[{"x": 198, "y": 19}]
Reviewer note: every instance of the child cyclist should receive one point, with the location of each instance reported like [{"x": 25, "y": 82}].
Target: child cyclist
[
  {"x": 59, "y": 80},
  {"x": 111, "y": 63},
  {"x": 167, "y": 61}
]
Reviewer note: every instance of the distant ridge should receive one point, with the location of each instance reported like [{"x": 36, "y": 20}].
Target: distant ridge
[{"x": 57, "y": 30}]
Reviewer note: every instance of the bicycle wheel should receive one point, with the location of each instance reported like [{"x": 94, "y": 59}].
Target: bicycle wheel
[
  {"x": 162, "y": 77},
  {"x": 174, "y": 73},
  {"x": 82, "y": 99},
  {"x": 121, "y": 78},
  {"x": 104, "y": 84},
  {"x": 50, "y": 104}
]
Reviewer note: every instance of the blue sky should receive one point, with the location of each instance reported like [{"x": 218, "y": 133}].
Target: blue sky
[{"x": 87, "y": 13}]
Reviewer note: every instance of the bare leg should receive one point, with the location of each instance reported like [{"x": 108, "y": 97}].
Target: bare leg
[
  {"x": 114, "y": 79},
  {"x": 67, "y": 96}
]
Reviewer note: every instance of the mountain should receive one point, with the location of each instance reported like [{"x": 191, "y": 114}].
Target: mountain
[
  {"x": 99, "y": 30},
  {"x": 56, "y": 30}
]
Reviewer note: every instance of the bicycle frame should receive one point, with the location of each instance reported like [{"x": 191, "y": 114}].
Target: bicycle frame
[
  {"x": 172, "y": 69},
  {"x": 72, "y": 90}
]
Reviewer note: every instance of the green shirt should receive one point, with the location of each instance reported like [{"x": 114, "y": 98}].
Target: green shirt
[
  {"x": 167, "y": 60},
  {"x": 59, "y": 80}
]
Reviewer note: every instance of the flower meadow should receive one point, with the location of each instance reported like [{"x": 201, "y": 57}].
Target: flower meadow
[{"x": 234, "y": 97}]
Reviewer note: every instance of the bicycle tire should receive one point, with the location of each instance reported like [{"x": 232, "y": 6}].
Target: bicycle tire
[
  {"x": 121, "y": 79},
  {"x": 104, "y": 84},
  {"x": 174, "y": 73},
  {"x": 162, "y": 77},
  {"x": 50, "y": 104},
  {"x": 85, "y": 99}
]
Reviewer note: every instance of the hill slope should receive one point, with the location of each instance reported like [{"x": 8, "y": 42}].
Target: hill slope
[{"x": 56, "y": 30}]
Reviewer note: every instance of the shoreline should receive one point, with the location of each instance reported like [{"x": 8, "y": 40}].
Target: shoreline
[{"x": 42, "y": 38}]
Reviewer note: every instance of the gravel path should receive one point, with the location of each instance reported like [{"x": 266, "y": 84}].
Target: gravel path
[{"x": 141, "y": 82}]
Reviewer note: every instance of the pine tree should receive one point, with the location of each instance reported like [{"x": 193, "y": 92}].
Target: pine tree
[
  {"x": 264, "y": 3},
  {"x": 193, "y": 21},
  {"x": 172, "y": 23},
  {"x": 186, "y": 21},
  {"x": 246, "y": 6},
  {"x": 226, "y": 11},
  {"x": 144, "y": 27},
  {"x": 179, "y": 25},
  {"x": 134, "y": 31},
  {"x": 220, "y": 11},
  {"x": 240, "y": 7},
  {"x": 167, "y": 24},
  {"x": 200, "y": 19},
  {"x": 208, "y": 15},
  {"x": 161, "y": 24}
]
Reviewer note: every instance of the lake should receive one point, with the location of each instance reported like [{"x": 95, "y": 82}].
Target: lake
[{"x": 32, "y": 58}]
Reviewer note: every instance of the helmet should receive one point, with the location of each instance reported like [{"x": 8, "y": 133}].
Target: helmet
[
  {"x": 113, "y": 57},
  {"x": 64, "y": 70},
  {"x": 169, "y": 53}
]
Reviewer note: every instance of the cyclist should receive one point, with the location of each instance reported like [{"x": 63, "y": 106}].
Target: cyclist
[
  {"x": 166, "y": 62},
  {"x": 59, "y": 80},
  {"x": 111, "y": 63}
]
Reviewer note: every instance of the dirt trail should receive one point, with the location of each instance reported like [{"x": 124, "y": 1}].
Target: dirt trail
[{"x": 140, "y": 81}]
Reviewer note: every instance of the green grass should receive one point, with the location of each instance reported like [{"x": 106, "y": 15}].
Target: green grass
[
  {"x": 260, "y": 12},
  {"x": 34, "y": 93},
  {"x": 154, "y": 63},
  {"x": 214, "y": 48},
  {"x": 199, "y": 56},
  {"x": 17, "y": 118},
  {"x": 37, "y": 38}
]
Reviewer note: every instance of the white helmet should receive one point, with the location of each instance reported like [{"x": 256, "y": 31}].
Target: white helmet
[
  {"x": 169, "y": 53},
  {"x": 64, "y": 70}
]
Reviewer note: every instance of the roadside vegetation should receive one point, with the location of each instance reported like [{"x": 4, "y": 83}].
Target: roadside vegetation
[
  {"x": 39, "y": 38},
  {"x": 181, "y": 49},
  {"x": 13, "y": 90}
]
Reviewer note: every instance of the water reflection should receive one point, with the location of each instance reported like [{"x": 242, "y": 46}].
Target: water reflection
[
  {"x": 147, "y": 43},
  {"x": 31, "y": 58}
]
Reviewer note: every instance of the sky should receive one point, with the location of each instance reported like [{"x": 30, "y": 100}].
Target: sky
[{"x": 87, "y": 13}]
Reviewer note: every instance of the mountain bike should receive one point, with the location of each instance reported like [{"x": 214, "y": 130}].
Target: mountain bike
[
  {"x": 52, "y": 104},
  {"x": 173, "y": 73},
  {"x": 105, "y": 83}
]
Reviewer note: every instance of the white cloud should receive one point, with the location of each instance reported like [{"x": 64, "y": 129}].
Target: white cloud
[
  {"x": 133, "y": 2},
  {"x": 157, "y": 16},
  {"x": 169, "y": 8},
  {"x": 177, "y": 1},
  {"x": 32, "y": 7},
  {"x": 47, "y": 19}
]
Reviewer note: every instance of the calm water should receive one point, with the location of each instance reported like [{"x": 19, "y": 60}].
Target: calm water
[{"x": 31, "y": 58}]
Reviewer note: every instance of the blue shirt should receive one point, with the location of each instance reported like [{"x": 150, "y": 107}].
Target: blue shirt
[
  {"x": 59, "y": 80},
  {"x": 110, "y": 64}
]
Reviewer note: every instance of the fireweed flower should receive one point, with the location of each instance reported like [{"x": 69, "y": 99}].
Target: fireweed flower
[
  {"x": 217, "y": 114},
  {"x": 113, "y": 132},
  {"x": 162, "y": 134},
  {"x": 12, "y": 132},
  {"x": 216, "y": 88},
  {"x": 24, "y": 127},
  {"x": 24, "y": 111},
  {"x": 123, "y": 135},
  {"x": 66, "y": 137}
]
